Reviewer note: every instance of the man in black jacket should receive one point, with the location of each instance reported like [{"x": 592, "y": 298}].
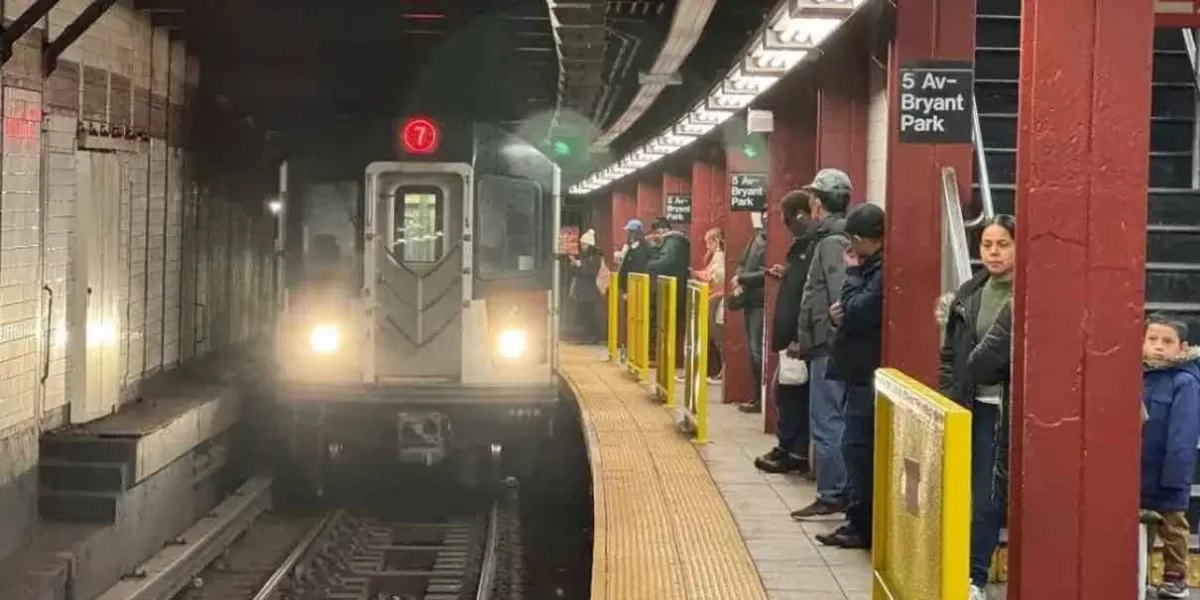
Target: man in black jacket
[
  {"x": 673, "y": 259},
  {"x": 747, "y": 284},
  {"x": 856, "y": 353},
  {"x": 791, "y": 428}
]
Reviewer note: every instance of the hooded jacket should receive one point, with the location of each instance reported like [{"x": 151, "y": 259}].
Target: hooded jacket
[
  {"x": 786, "y": 317},
  {"x": 1171, "y": 397},
  {"x": 823, "y": 286}
]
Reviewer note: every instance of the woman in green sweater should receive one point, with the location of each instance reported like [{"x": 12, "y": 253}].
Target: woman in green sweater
[{"x": 978, "y": 305}]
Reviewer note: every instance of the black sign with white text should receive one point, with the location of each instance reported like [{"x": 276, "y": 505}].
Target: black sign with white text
[
  {"x": 747, "y": 192},
  {"x": 678, "y": 208},
  {"x": 936, "y": 102}
]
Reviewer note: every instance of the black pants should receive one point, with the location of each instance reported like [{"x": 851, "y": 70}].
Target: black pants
[
  {"x": 792, "y": 425},
  {"x": 586, "y": 321},
  {"x": 858, "y": 452}
]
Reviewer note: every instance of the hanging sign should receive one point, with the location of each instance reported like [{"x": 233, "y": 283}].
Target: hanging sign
[
  {"x": 747, "y": 192},
  {"x": 936, "y": 102},
  {"x": 1183, "y": 14},
  {"x": 678, "y": 208}
]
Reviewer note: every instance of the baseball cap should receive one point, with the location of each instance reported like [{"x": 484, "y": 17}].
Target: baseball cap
[
  {"x": 831, "y": 181},
  {"x": 865, "y": 221},
  {"x": 633, "y": 225}
]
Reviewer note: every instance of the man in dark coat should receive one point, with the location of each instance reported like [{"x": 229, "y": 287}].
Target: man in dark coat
[
  {"x": 791, "y": 429},
  {"x": 747, "y": 284},
  {"x": 672, "y": 260},
  {"x": 856, "y": 354}
]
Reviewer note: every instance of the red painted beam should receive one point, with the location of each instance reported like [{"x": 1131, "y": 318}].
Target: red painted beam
[
  {"x": 624, "y": 208},
  {"x": 1081, "y": 234},
  {"x": 602, "y": 222},
  {"x": 925, "y": 29},
  {"x": 649, "y": 199},
  {"x": 842, "y": 104},
  {"x": 676, "y": 183},
  {"x": 739, "y": 230},
  {"x": 793, "y": 161}
]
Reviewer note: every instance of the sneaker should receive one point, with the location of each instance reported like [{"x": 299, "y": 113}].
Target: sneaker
[
  {"x": 778, "y": 461},
  {"x": 680, "y": 376},
  {"x": 1173, "y": 586},
  {"x": 845, "y": 537},
  {"x": 750, "y": 408},
  {"x": 715, "y": 380},
  {"x": 818, "y": 508},
  {"x": 978, "y": 593}
]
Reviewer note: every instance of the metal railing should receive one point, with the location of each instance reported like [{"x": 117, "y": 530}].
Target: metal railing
[
  {"x": 987, "y": 207},
  {"x": 637, "y": 324},
  {"x": 1189, "y": 43},
  {"x": 665, "y": 337},
  {"x": 956, "y": 258},
  {"x": 693, "y": 411},
  {"x": 612, "y": 318}
]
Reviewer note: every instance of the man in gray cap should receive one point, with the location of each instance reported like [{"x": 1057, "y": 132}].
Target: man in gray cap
[{"x": 830, "y": 191}]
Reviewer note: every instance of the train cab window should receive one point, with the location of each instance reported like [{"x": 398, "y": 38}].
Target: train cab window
[
  {"x": 509, "y": 227},
  {"x": 417, "y": 221}
]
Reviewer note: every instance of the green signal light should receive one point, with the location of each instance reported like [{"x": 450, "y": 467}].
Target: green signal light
[
  {"x": 562, "y": 148},
  {"x": 749, "y": 150}
]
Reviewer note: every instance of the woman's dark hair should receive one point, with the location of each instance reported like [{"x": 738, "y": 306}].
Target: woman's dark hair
[{"x": 1008, "y": 222}]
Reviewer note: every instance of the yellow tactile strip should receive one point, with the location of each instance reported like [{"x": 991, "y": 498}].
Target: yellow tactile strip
[{"x": 662, "y": 530}]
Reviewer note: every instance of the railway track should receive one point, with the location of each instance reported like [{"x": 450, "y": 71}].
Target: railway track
[{"x": 348, "y": 555}]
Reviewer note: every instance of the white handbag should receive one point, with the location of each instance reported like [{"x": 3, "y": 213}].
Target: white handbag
[{"x": 792, "y": 371}]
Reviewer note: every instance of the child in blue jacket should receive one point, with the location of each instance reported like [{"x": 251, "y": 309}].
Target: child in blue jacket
[{"x": 1171, "y": 398}]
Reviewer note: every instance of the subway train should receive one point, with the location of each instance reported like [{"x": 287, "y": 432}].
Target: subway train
[{"x": 422, "y": 330}]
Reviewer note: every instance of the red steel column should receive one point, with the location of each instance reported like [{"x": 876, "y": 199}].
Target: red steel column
[
  {"x": 842, "y": 103},
  {"x": 739, "y": 230},
  {"x": 1081, "y": 189},
  {"x": 602, "y": 219},
  {"x": 675, "y": 183},
  {"x": 649, "y": 198},
  {"x": 792, "y": 149},
  {"x": 925, "y": 29}
]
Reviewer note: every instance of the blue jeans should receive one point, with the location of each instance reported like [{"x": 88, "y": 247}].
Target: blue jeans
[
  {"x": 753, "y": 316},
  {"x": 826, "y": 417},
  {"x": 987, "y": 502},
  {"x": 791, "y": 426},
  {"x": 858, "y": 450}
]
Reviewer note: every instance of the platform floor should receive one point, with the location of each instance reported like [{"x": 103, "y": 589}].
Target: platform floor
[{"x": 674, "y": 521}]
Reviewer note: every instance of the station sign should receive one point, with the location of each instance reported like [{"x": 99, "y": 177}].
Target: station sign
[
  {"x": 936, "y": 101},
  {"x": 678, "y": 208},
  {"x": 1177, "y": 13},
  {"x": 747, "y": 192}
]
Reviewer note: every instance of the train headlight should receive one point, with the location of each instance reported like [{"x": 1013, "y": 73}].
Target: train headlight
[
  {"x": 511, "y": 344},
  {"x": 324, "y": 338}
]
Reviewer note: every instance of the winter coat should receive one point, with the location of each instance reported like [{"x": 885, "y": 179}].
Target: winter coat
[
  {"x": 634, "y": 260},
  {"x": 585, "y": 290},
  {"x": 966, "y": 362},
  {"x": 858, "y": 341},
  {"x": 1171, "y": 396},
  {"x": 786, "y": 319},
  {"x": 751, "y": 273},
  {"x": 823, "y": 286}
]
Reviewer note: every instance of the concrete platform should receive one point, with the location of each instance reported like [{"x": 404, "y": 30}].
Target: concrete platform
[{"x": 115, "y": 490}]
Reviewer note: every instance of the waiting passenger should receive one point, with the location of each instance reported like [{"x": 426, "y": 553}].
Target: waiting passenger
[
  {"x": 1171, "y": 397},
  {"x": 791, "y": 428},
  {"x": 975, "y": 363},
  {"x": 584, "y": 289},
  {"x": 714, "y": 275},
  {"x": 822, "y": 288},
  {"x": 747, "y": 296},
  {"x": 636, "y": 255},
  {"x": 673, "y": 259},
  {"x": 857, "y": 350}
]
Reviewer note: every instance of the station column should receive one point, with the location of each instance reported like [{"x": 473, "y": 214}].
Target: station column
[
  {"x": 675, "y": 185},
  {"x": 748, "y": 172},
  {"x": 1081, "y": 189},
  {"x": 624, "y": 208},
  {"x": 926, "y": 30},
  {"x": 649, "y": 198},
  {"x": 842, "y": 118}
]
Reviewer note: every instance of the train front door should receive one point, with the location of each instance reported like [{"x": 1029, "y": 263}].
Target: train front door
[{"x": 415, "y": 249}]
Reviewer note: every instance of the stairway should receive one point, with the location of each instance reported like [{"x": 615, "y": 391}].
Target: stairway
[
  {"x": 83, "y": 478},
  {"x": 1173, "y": 234},
  {"x": 1173, "y": 244}
]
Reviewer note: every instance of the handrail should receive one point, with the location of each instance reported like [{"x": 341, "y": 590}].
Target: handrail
[
  {"x": 954, "y": 240},
  {"x": 987, "y": 209},
  {"x": 1189, "y": 42}
]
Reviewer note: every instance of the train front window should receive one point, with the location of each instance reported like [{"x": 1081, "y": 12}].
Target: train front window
[
  {"x": 417, "y": 224},
  {"x": 508, "y": 227}
]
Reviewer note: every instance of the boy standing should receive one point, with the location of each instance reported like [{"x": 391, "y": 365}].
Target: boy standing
[{"x": 1171, "y": 398}]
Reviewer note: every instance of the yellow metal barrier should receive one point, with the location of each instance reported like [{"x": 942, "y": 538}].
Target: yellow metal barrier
[
  {"x": 694, "y": 410},
  {"x": 613, "y": 318},
  {"x": 922, "y": 492},
  {"x": 665, "y": 332},
  {"x": 637, "y": 328}
]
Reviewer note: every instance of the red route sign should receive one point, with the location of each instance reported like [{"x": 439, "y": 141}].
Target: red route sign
[
  {"x": 1177, "y": 13},
  {"x": 420, "y": 135}
]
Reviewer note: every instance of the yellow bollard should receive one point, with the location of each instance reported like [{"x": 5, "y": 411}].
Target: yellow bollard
[
  {"x": 665, "y": 338},
  {"x": 613, "y": 319},
  {"x": 637, "y": 334},
  {"x": 694, "y": 410}
]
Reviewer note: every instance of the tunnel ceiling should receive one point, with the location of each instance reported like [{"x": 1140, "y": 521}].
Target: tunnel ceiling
[{"x": 303, "y": 68}]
